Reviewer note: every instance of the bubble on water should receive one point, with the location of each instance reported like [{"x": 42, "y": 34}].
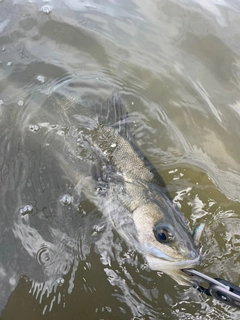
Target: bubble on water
[
  {"x": 9, "y": 63},
  {"x": 46, "y": 9},
  {"x": 20, "y": 103},
  {"x": 12, "y": 281},
  {"x": 60, "y": 281},
  {"x": 3, "y": 48},
  {"x": 60, "y": 132},
  {"x": 41, "y": 78},
  {"x": 26, "y": 209},
  {"x": 34, "y": 127},
  {"x": 98, "y": 228},
  {"x": 66, "y": 200},
  {"x": 63, "y": 131}
]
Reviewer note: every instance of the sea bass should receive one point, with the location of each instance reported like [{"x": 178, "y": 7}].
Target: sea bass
[{"x": 122, "y": 183}]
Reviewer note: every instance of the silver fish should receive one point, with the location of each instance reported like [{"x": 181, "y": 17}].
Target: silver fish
[{"x": 122, "y": 184}]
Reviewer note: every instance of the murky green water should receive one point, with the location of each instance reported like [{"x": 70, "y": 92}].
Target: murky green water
[{"x": 176, "y": 64}]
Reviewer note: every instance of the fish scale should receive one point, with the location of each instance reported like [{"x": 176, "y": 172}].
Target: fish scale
[{"x": 121, "y": 154}]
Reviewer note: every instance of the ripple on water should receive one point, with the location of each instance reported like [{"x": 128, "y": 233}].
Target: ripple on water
[
  {"x": 43, "y": 255},
  {"x": 147, "y": 54}
]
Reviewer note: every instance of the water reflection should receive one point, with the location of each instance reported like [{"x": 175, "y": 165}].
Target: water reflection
[{"x": 177, "y": 65}]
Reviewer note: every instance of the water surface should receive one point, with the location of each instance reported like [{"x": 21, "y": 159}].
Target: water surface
[{"x": 176, "y": 64}]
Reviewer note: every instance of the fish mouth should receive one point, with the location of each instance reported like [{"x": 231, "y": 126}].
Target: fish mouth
[
  {"x": 156, "y": 263},
  {"x": 185, "y": 264},
  {"x": 158, "y": 259},
  {"x": 174, "y": 268}
]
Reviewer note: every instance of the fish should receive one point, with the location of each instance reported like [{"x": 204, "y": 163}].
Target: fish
[{"x": 120, "y": 181}]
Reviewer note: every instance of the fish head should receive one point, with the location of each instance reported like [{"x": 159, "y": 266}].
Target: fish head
[{"x": 166, "y": 241}]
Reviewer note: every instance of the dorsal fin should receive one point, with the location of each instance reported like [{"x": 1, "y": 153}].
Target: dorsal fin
[
  {"x": 118, "y": 116},
  {"x": 116, "y": 105},
  {"x": 114, "y": 114}
]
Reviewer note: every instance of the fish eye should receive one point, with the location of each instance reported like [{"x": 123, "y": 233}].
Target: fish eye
[{"x": 163, "y": 233}]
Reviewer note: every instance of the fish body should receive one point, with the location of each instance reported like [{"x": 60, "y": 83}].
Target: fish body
[
  {"x": 121, "y": 183},
  {"x": 133, "y": 186}
]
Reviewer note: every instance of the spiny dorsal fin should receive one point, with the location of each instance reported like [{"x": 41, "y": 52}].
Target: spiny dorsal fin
[{"x": 116, "y": 115}]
